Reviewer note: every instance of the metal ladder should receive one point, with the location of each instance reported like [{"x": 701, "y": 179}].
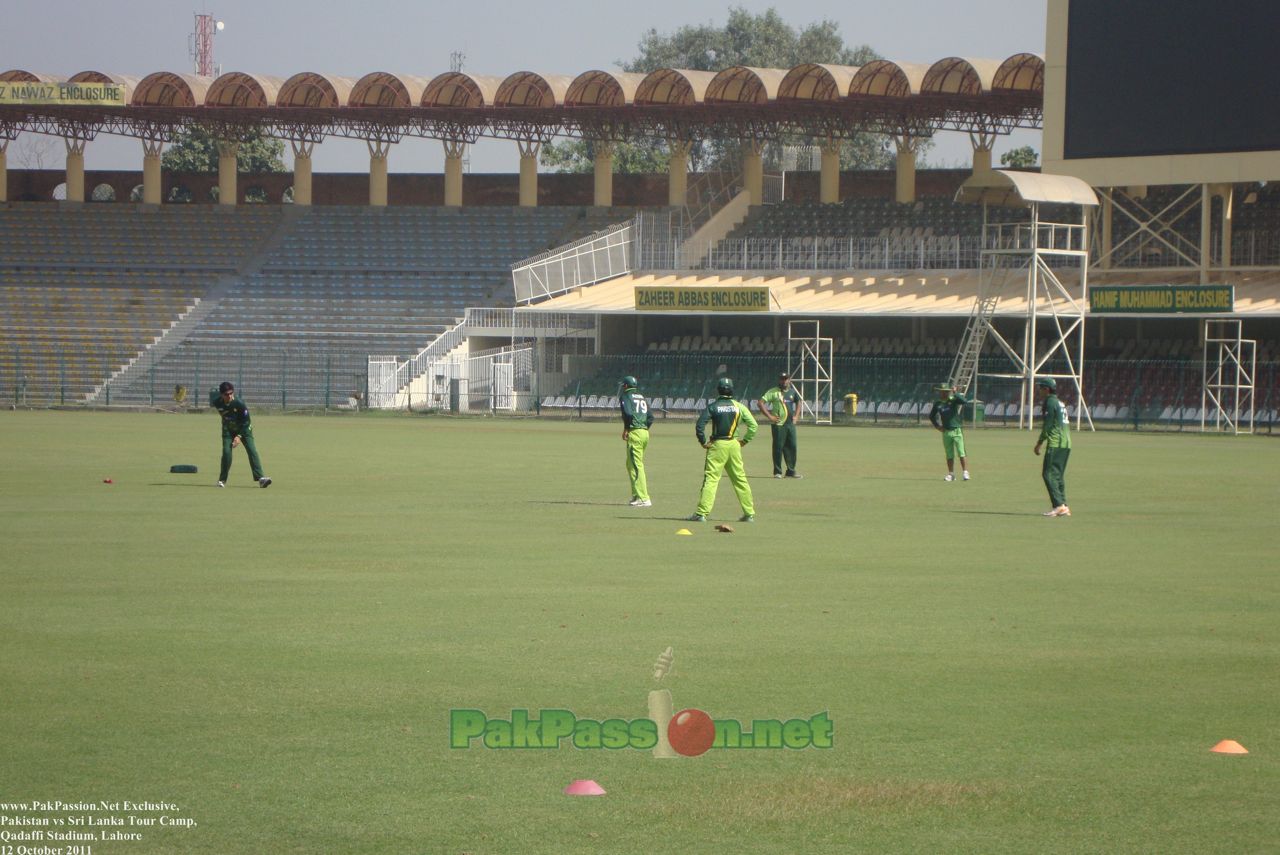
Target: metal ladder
[{"x": 965, "y": 366}]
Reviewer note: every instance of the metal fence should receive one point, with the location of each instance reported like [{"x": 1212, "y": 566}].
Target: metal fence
[{"x": 594, "y": 258}]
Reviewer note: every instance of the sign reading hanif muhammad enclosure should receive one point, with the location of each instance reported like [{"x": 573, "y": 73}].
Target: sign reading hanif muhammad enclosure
[
  {"x": 701, "y": 298},
  {"x": 1161, "y": 299},
  {"x": 62, "y": 93}
]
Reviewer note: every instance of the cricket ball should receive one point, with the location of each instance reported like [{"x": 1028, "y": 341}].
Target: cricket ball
[{"x": 691, "y": 732}]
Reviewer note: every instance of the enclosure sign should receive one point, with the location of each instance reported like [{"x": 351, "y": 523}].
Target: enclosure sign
[
  {"x": 701, "y": 298},
  {"x": 64, "y": 94},
  {"x": 1161, "y": 299}
]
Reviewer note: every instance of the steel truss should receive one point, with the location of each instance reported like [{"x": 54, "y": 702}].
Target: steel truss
[
  {"x": 1228, "y": 367},
  {"x": 810, "y": 358}
]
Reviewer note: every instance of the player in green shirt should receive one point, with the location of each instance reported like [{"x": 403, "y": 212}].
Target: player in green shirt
[
  {"x": 724, "y": 450},
  {"x": 636, "y": 421},
  {"x": 781, "y": 406},
  {"x": 947, "y": 417},
  {"x": 1055, "y": 436},
  {"x": 237, "y": 429}
]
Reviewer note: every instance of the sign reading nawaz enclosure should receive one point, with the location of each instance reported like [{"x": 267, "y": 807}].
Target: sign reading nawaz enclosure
[
  {"x": 65, "y": 94},
  {"x": 1161, "y": 299},
  {"x": 704, "y": 298}
]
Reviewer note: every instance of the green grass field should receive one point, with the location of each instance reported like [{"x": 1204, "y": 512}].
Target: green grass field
[{"x": 280, "y": 664}]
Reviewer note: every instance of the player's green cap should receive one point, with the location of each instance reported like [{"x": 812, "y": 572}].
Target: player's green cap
[
  {"x": 724, "y": 386},
  {"x": 1048, "y": 383},
  {"x": 629, "y": 382}
]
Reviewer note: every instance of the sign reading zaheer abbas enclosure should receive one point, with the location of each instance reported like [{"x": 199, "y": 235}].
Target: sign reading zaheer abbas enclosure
[
  {"x": 1161, "y": 299},
  {"x": 701, "y": 298},
  {"x": 62, "y": 93}
]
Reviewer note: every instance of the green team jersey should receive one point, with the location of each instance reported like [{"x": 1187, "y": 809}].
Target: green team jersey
[
  {"x": 635, "y": 410},
  {"x": 783, "y": 403},
  {"x": 948, "y": 413},
  {"x": 725, "y": 414},
  {"x": 1055, "y": 427},
  {"x": 235, "y": 414}
]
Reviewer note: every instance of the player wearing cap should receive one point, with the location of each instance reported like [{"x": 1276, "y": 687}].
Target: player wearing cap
[
  {"x": 947, "y": 417},
  {"x": 781, "y": 406},
  {"x": 724, "y": 450},
  {"x": 1055, "y": 436},
  {"x": 636, "y": 420},
  {"x": 237, "y": 429}
]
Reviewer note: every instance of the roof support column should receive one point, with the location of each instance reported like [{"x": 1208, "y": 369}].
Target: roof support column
[
  {"x": 604, "y": 173},
  {"x": 753, "y": 170},
  {"x": 75, "y": 169},
  {"x": 1206, "y": 232},
  {"x": 678, "y": 172},
  {"x": 1108, "y": 208},
  {"x": 982, "y": 144},
  {"x": 378, "y": 151},
  {"x": 829, "y": 180},
  {"x": 302, "y": 171},
  {"x": 906, "y": 172},
  {"x": 151, "y": 171},
  {"x": 529, "y": 172},
  {"x": 1227, "y": 192},
  {"x": 4, "y": 169},
  {"x": 227, "y": 151},
  {"x": 453, "y": 152}
]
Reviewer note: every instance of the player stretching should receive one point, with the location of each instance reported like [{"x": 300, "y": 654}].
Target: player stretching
[
  {"x": 947, "y": 416},
  {"x": 724, "y": 451}
]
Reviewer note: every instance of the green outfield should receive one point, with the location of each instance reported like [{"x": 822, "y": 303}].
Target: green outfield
[{"x": 279, "y": 665}]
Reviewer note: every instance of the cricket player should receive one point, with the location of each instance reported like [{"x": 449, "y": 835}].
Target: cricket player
[
  {"x": 947, "y": 417},
  {"x": 781, "y": 406},
  {"x": 636, "y": 420},
  {"x": 237, "y": 429},
  {"x": 1055, "y": 436},
  {"x": 724, "y": 450}
]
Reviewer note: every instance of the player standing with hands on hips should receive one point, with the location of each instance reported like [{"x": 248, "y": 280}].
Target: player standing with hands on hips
[
  {"x": 781, "y": 406},
  {"x": 237, "y": 429},
  {"x": 636, "y": 420},
  {"x": 724, "y": 451},
  {"x": 947, "y": 417},
  {"x": 1055, "y": 435}
]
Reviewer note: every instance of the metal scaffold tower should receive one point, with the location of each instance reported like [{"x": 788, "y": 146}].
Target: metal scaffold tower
[
  {"x": 1051, "y": 260},
  {"x": 810, "y": 357},
  {"x": 1228, "y": 367}
]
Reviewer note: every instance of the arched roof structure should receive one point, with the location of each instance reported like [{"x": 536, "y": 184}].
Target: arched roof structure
[
  {"x": 743, "y": 85},
  {"x": 1010, "y": 188},
  {"x": 237, "y": 89},
  {"x": 18, "y": 75},
  {"x": 887, "y": 79},
  {"x": 383, "y": 89},
  {"x": 817, "y": 82},
  {"x": 316, "y": 91},
  {"x": 674, "y": 87},
  {"x": 603, "y": 89},
  {"x": 458, "y": 89},
  {"x": 124, "y": 81},
  {"x": 1022, "y": 72},
  {"x": 956, "y": 75},
  {"x": 531, "y": 89},
  {"x": 166, "y": 89}
]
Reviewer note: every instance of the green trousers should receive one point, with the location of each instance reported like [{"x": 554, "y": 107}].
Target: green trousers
[
  {"x": 784, "y": 446},
  {"x": 246, "y": 439},
  {"x": 725, "y": 457},
  {"x": 1054, "y": 470},
  {"x": 637, "y": 442}
]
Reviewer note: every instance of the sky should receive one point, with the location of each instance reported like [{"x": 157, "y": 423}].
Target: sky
[{"x": 284, "y": 37}]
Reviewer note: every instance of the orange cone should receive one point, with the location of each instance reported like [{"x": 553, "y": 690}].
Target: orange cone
[{"x": 1229, "y": 746}]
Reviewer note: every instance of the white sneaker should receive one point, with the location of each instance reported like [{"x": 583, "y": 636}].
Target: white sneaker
[
  {"x": 220, "y": 484},
  {"x": 1063, "y": 511},
  {"x": 1056, "y": 512},
  {"x": 949, "y": 477},
  {"x": 966, "y": 474},
  {"x": 264, "y": 482},
  {"x": 642, "y": 503}
]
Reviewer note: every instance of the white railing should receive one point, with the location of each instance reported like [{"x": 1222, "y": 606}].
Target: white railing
[
  {"x": 385, "y": 383},
  {"x": 594, "y": 258},
  {"x": 824, "y": 253}
]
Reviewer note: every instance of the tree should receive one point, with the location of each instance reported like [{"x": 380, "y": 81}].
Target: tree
[
  {"x": 1020, "y": 158},
  {"x": 196, "y": 150},
  {"x": 758, "y": 41}
]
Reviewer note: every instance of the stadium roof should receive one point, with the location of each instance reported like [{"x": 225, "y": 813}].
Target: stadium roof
[
  {"x": 955, "y": 93},
  {"x": 1010, "y": 188}
]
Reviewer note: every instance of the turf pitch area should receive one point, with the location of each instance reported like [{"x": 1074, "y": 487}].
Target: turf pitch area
[{"x": 281, "y": 663}]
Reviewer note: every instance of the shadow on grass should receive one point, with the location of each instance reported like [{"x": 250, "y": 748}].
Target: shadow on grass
[
  {"x": 163, "y": 484},
  {"x": 1000, "y": 513}
]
